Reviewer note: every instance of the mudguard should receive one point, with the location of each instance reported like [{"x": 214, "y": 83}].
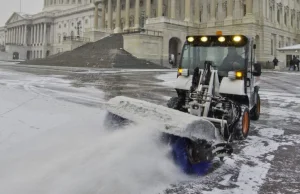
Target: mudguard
[{"x": 235, "y": 87}]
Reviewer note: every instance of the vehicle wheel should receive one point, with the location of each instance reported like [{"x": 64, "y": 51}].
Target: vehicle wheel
[
  {"x": 243, "y": 126},
  {"x": 255, "y": 113},
  {"x": 113, "y": 121},
  {"x": 173, "y": 103}
]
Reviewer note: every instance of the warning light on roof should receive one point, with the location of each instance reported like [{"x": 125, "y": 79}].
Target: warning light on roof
[
  {"x": 237, "y": 38},
  {"x": 219, "y": 33},
  {"x": 221, "y": 39},
  {"x": 191, "y": 39},
  {"x": 204, "y": 39}
]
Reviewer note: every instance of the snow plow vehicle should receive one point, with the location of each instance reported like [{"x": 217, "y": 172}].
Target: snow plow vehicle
[{"x": 216, "y": 98}]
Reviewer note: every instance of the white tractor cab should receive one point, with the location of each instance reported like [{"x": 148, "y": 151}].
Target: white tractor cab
[{"x": 216, "y": 81}]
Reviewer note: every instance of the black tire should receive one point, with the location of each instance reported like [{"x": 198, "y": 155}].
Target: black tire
[
  {"x": 243, "y": 126},
  {"x": 173, "y": 103},
  {"x": 255, "y": 113},
  {"x": 113, "y": 121}
]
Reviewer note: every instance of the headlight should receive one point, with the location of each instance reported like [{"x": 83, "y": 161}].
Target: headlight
[
  {"x": 239, "y": 74},
  {"x": 183, "y": 72},
  {"x": 235, "y": 75}
]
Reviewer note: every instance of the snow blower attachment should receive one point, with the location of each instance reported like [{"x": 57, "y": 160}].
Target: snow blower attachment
[{"x": 216, "y": 99}]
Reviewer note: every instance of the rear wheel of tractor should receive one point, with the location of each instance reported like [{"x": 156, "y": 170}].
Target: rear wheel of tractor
[
  {"x": 256, "y": 109},
  {"x": 243, "y": 126}
]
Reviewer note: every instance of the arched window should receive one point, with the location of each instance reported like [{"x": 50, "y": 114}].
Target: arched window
[{"x": 285, "y": 18}]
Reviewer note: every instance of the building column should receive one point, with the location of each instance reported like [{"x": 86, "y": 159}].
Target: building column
[
  {"x": 249, "y": 7},
  {"x": 173, "y": 9},
  {"x": 21, "y": 34},
  {"x": 109, "y": 15},
  {"x": 16, "y": 34},
  {"x": 51, "y": 34},
  {"x": 41, "y": 33},
  {"x": 25, "y": 35},
  {"x": 103, "y": 16},
  {"x": 148, "y": 9},
  {"x": 11, "y": 35},
  {"x": 228, "y": 20},
  {"x": 118, "y": 17},
  {"x": 159, "y": 8},
  {"x": 197, "y": 11},
  {"x": 137, "y": 14},
  {"x": 127, "y": 6},
  {"x": 213, "y": 10},
  {"x": 229, "y": 9},
  {"x": 187, "y": 12},
  {"x": 38, "y": 34},
  {"x": 96, "y": 15},
  {"x": 31, "y": 37},
  {"x": 8, "y": 35},
  {"x": 45, "y": 34},
  {"x": 34, "y": 34}
]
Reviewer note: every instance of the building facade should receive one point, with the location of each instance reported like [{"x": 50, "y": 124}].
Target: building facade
[
  {"x": 65, "y": 24},
  {"x": 59, "y": 27},
  {"x": 272, "y": 23}
]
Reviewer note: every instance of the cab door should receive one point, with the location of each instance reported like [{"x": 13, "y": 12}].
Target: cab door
[{"x": 250, "y": 78}]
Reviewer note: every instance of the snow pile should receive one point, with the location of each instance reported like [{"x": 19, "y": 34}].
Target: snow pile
[{"x": 53, "y": 146}]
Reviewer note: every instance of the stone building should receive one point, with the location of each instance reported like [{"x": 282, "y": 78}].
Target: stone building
[
  {"x": 272, "y": 23},
  {"x": 59, "y": 27}
]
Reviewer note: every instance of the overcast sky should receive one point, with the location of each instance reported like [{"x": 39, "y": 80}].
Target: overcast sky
[{"x": 7, "y": 7}]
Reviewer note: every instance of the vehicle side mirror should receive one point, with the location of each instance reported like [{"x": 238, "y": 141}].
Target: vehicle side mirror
[
  {"x": 257, "y": 69},
  {"x": 254, "y": 46}
]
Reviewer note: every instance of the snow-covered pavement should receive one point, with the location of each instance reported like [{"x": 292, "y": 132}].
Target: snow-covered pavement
[{"x": 52, "y": 138}]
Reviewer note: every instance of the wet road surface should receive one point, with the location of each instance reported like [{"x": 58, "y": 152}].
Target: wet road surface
[{"x": 267, "y": 162}]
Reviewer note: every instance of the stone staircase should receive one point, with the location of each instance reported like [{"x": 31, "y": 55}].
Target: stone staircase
[{"x": 105, "y": 53}]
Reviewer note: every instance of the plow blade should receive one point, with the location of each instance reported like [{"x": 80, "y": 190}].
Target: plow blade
[{"x": 163, "y": 118}]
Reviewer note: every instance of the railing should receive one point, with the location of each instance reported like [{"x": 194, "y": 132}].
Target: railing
[
  {"x": 98, "y": 30},
  {"x": 237, "y": 21},
  {"x": 220, "y": 23},
  {"x": 143, "y": 31},
  {"x": 15, "y": 44},
  {"x": 76, "y": 38}
]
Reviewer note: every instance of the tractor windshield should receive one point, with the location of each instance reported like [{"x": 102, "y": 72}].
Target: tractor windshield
[{"x": 224, "y": 57}]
